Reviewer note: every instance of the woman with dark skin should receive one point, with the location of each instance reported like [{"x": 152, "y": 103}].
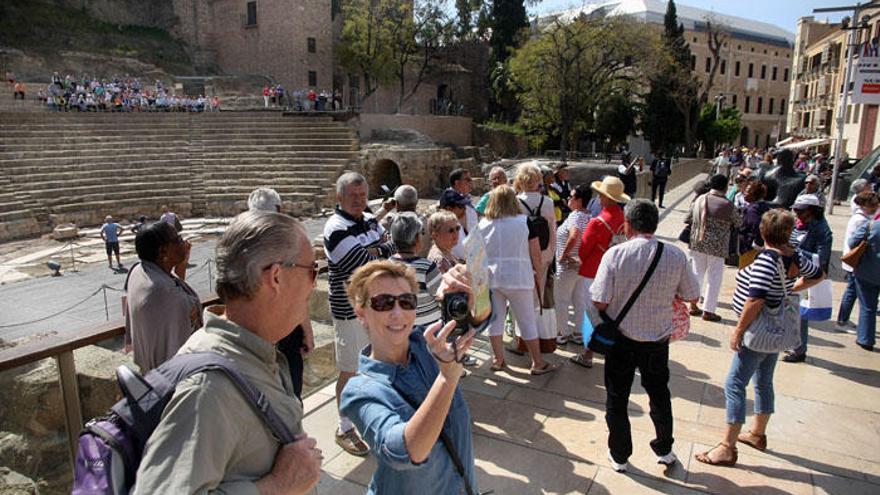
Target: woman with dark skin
[{"x": 161, "y": 309}]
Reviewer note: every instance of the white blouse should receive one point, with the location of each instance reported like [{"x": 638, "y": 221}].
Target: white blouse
[{"x": 507, "y": 251}]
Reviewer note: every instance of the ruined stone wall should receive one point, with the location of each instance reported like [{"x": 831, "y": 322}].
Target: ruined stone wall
[
  {"x": 153, "y": 13},
  {"x": 447, "y": 130}
]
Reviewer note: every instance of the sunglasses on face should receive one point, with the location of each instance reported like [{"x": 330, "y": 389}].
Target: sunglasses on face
[
  {"x": 385, "y": 302},
  {"x": 313, "y": 268}
]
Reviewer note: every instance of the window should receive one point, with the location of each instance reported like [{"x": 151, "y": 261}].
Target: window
[
  {"x": 313, "y": 45},
  {"x": 763, "y": 72},
  {"x": 856, "y": 112},
  {"x": 760, "y": 104},
  {"x": 313, "y": 78},
  {"x": 739, "y": 47},
  {"x": 708, "y": 64},
  {"x": 733, "y": 101},
  {"x": 765, "y": 52},
  {"x": 736, "y": 69},
  {"x": 770, "y": 106},
  {"x": 774, "y": 73},
  {"x": 748, "y": 104},
  {"x": 693, "y": 62},
  {"x": 785, "y": 75},
  {"x": 753, "y": 50},
  {"x": 695, "y": 39},
  {"x": 782, "y": 106},
  {"x": 723, "y": 66},
  {"x": 775, "y": 54},
  {"x": 251, "y": 14},
  {"x": 848, "y": 117},
  {"x": 751, "y": 70}
]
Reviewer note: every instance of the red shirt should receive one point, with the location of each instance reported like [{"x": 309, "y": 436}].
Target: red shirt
[{"x": 596, "y": 239}]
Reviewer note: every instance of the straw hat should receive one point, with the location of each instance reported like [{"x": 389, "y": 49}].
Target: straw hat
[{"x": 612, "y": 187}]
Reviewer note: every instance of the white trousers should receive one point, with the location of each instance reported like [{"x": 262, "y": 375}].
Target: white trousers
[
  {"x": 521, "y": 306},
  {"x": 570, "y": 291},
  {"x": 713, "y": 269}
]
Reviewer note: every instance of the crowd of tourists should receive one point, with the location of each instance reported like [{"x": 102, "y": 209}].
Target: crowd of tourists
[
  {"x": 302, "y": 100},
  {"x": 569, "y": 264},
  {"x": 119, "y": 94}
]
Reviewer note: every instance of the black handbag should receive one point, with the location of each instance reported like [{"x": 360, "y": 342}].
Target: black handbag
[
  {"x": 606, "y": 334},
  {"x": 685, "y": 235}
]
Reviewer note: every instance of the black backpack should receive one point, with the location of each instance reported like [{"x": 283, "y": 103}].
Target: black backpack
[{"x": 538, "y": 225}]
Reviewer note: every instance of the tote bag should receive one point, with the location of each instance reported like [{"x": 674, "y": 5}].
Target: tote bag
[
  {"x": 776, "y": 329},
  {"x": 816, "y": 306}
]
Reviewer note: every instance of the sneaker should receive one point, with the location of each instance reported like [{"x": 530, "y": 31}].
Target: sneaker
[
  {"x": 667, "y": 460},
  {"x": 561, "y": 340},
  {"x": 795, "y": 358},
  {"x": 620, "y": 468},
  {"x": 866, "y": 347},
  {"x": 352, "y": 443},
  {"x": 468, "y": 361}
]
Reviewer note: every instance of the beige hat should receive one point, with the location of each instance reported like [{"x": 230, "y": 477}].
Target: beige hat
[{"x": 612, "y": 187}]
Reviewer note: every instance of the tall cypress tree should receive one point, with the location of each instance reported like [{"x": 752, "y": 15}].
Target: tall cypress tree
[{"x": 508, "y": 21}]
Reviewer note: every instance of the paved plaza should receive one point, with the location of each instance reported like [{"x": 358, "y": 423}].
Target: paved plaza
[{"x": 547, "y": 434}]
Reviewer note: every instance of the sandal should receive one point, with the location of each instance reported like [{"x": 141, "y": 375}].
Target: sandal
[
  {"x": 498, "y": 367},
  {"x": 759, "y": 444},
  {"x": 548, "y": 368},
  {"x": 705, "y": 459},
  {"x": 580, "y": 360}
]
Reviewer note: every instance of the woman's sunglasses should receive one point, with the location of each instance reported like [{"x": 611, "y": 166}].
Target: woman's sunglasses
[{"x": 385, "y": 302}]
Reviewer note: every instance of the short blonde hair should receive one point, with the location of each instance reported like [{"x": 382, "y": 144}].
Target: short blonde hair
[
  {"x": 358, "y": 286},
  {"x": 439, "y": 218},
  {"x": 528, "y": 175},
  {"x": 776, "y": 226},
  {"x": 502, "y": 203}
]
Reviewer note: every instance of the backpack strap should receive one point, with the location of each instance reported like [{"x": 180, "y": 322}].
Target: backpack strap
[
  {"x": 531, "y": 213},
  {"x": 182, "y": 366}
]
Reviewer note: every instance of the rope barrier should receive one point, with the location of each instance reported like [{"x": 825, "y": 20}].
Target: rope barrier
[
  {"x": 93, "y": 294},
  {"x": 53, "y": 253}
]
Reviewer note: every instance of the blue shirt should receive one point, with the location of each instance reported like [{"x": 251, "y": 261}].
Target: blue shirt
[
  {"x": 814, "y": 238},
  {"x": 869, "y": 267},
  {"x": 373, "y": 402},
  {"x": 110, "y": 231}
]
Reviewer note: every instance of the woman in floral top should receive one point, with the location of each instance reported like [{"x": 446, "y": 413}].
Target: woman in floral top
[{"x": 711, "y": 218}]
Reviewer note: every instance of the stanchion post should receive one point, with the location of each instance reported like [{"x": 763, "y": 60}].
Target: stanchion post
[
  {"x": 210, "y": 276},
  {"x": 106, "y": 308}
]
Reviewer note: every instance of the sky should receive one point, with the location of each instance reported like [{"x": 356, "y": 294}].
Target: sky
[{"x": 782, "y": 13}]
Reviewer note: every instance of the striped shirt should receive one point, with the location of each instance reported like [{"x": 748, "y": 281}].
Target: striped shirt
[
  {"x": 346, "y": 241},
  {"x": 762, "y": 280},
  {"x": 428, "y": 277},
  {"x": 578, "y": 219}
]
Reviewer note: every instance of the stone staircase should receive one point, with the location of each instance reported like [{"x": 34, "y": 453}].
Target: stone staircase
[
  {"x": 8, "y": 103},
  {"x": 70, "y": 167}
]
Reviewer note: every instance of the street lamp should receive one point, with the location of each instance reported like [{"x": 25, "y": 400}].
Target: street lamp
[{"x": 852, "y": 45}]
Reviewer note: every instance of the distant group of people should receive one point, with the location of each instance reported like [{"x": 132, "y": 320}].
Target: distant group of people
[
  {"x": 119, "y": 94},
  {"x": 302, "y": 100}
]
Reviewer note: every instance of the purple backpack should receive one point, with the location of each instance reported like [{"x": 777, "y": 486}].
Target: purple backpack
[{"x": 111, "y": 446}]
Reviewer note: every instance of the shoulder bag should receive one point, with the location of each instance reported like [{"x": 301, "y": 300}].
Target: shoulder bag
[
  {"x": 606, "y": 334},
  {"x": 854, "y": 256},
  {"x": 776, "y": 329}
]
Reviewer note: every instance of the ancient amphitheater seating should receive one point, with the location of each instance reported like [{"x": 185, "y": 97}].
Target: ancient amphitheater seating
[{"x": 71, "y": 167}]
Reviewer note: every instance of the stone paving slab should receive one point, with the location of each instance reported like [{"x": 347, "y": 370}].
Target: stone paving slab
[{"x": 547, "y": 434}]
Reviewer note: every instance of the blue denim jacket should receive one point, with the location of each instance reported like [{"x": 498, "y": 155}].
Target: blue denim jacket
[
  {"x": 372, "y": 401},
  {"x": 869, "y": 267},
  {"x": 815, "y": 238}
]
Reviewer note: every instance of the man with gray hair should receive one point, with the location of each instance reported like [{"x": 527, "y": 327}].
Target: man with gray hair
[
  {"x": 301, "y": 340},
  {"x": 264, "y": 199},
  {"x": 497, "y": 177},
  {"x": 352, "y": 238},
  {"x": 406, "y": 199},
  {"x": 643, "y": 341},
  {"x": 210, "y": 438}
]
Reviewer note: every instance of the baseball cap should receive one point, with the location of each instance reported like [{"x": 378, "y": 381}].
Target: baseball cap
[
  {"x": 451, "y": 197},
  {"x": 805, "y": 201}
]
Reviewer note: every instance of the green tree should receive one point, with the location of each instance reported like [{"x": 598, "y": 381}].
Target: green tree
[
  {"x": 616, "y": 118},
  {"x": 564, "y": 74},
  {"x": 723, "y": 128},
  {"x": 508, "y": 28},
  {"x": 388, "y": 41}
]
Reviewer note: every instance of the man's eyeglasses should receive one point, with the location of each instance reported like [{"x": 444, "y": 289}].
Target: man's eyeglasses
[
  {"x": 313, "y": 268},
  {"x": 385, "y": 302},
  {"x": 449, "y": 230}
]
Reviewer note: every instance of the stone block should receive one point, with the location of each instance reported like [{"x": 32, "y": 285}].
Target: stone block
[{"x": 12, "y": 483}]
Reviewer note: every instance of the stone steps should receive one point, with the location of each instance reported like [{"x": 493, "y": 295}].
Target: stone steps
[
  {"x": 48, "y": 169},
  {"x": 24, "y": 151}
]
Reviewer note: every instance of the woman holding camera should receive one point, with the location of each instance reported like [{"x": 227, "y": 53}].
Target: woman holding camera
[
  {"x": 514, "y": 267},
  {"x": 405, "y": 396}
]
